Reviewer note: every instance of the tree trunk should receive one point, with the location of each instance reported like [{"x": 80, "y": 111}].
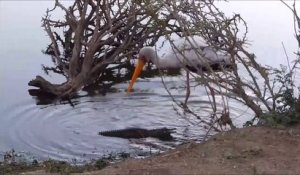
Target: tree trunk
[{"x": 94, "y": 37}]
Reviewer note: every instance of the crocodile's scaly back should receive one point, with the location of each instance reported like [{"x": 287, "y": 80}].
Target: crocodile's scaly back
[
  {"x": 126, "y": 133},
  {"x": 161, "y": 133}
]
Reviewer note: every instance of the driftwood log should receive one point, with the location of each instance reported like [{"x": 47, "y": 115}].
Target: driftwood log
[{"x": 95, "y": 35}]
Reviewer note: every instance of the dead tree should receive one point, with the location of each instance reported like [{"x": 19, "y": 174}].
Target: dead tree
[
  {"x": 95, "y": 34},
  {"x": 257, "y": 86}
]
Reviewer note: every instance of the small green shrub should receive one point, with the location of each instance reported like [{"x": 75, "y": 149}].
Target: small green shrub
[{"x": 287, "y": 111}]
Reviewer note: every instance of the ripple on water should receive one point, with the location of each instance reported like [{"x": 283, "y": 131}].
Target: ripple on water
[
  {"x": 59, "y": 132},
  {"x": 66, "y": 133}
]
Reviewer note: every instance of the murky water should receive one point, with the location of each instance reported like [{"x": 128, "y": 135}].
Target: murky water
[{"x": 63, "y": 132}]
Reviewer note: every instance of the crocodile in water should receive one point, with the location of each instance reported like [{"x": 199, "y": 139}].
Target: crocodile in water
[{"x": 161, "y": 133}]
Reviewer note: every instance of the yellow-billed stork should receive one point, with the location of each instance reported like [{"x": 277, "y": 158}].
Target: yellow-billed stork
[{"x": 191, "y": 53}]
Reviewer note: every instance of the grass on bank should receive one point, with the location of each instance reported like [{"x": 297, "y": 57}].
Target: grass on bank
[{"x": 10, "y": 166}]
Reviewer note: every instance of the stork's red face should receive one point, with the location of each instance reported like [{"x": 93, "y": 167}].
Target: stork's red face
[{"x": 138, "y": 70}]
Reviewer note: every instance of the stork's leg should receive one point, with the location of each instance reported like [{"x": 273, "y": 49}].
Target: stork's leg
[{"x": 188, "y": 91}]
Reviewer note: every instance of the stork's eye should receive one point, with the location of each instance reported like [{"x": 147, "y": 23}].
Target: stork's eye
[{"x": 143, "y": 58}]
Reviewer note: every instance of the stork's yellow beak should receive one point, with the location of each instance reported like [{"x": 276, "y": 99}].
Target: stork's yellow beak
[{"x": 138, "y": 70}]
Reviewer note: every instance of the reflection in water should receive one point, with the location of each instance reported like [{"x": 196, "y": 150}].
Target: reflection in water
[{"x": 103, "y": 85}]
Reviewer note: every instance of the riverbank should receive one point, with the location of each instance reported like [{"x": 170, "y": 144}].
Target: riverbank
[{"x": 253, "y": 150}]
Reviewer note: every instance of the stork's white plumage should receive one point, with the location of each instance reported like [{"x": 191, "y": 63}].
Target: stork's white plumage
[{"x": 191, "y": 53}]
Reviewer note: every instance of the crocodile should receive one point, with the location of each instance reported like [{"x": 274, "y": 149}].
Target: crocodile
[{"x": 161, "y": 133}]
